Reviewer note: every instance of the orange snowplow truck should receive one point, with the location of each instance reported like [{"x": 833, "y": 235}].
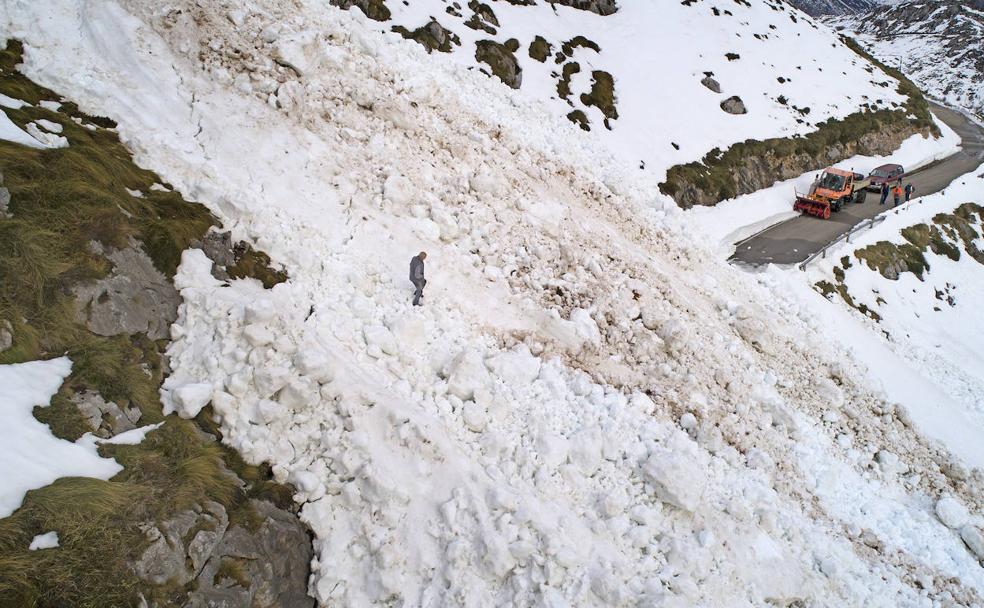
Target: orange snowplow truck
[{"x": 831, "y": 192}]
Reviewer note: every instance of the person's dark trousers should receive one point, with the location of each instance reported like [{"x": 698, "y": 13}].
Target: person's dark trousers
[
  {"x": 884, "y": 196},
  {"x": 896, "y": 201},
  {"x": 418, "y": 291}
]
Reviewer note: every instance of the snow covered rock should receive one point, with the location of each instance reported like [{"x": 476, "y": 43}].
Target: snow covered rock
[
  {"x": 468, "y": 374},
  {"x": 191, "y": 398},
  {"x": 951, "y": 512}
]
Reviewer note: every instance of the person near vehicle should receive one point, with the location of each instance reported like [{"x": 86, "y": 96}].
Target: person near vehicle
[
  {"x": 884, "y": 193},
  {"x": 417, "y": 276},
  {"x": 909, "y": 189},
  {"x": 897, "y": 193}
]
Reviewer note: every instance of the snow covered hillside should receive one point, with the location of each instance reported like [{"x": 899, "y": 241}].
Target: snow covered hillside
[
  {"x": 590, "y": 409},
  {"x": 918, "y": 277},
  {"x": 939, "y": 45},
  {"x": 660, "y": 83}
]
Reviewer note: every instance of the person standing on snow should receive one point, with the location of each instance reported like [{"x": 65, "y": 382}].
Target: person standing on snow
[
  {"x": 897, "y": 193},
  {"x": 417, "y": 276},
  {"x": 909, "y": 189},
  {"x": 884, "y": 193}
]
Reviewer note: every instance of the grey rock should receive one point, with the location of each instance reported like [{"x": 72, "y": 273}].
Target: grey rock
[
  {"x": 501, "y": 61},
  {"x": 4, "y": 202},
  {"x": 275, "y": 559},
  {"x": 6, "y": 335},
  {"x": 206, "y": 539},
  {"x": 164, "y": 559},
  {"x": 134, "y": 298},
  {"x": 219, "y": 248},
  {"x": 711, "y": 84},
  {"x": 105, "y": 418},
  {"x": 734, "y": 105}
]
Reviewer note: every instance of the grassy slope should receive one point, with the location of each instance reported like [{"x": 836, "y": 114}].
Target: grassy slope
[{"x": 62, "y": 199}]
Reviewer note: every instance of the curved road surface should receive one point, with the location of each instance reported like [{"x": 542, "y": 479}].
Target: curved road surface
[{"x": 794, "y": 240}]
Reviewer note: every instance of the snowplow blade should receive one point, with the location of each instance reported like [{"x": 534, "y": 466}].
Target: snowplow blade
[{"x": 809, "y": 206}]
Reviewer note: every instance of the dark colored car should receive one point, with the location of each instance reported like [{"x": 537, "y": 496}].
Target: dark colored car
[{"x": 885, "y": 174}]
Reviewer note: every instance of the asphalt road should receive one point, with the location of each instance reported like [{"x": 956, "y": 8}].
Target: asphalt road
[{"x": 794, "y": 240}]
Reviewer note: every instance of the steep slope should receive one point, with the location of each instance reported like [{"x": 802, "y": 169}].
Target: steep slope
[
  {"x": 940, "y": 45},
  {"x": 662, "y": 83},
  {"x": 590, "y": 409}
]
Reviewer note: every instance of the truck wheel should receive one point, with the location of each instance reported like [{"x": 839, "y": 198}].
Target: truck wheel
[{"x": 859, "y": 196}]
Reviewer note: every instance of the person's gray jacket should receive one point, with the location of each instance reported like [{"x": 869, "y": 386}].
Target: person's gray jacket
[{"x": 416, "y": 269}]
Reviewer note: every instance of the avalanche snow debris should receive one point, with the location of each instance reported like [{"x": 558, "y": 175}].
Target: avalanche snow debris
[{"x": 513, "y": 441}]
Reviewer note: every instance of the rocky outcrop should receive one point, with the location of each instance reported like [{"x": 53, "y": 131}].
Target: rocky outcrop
[
  {"x": 433, "y": 36},
  {"x": 134, "y": 298},
  {"x": 501, "y": 60},
  {"x": 374, "y": 9},
  {"x": 226, "y": 564},
  {"x": 105, "y": 418}
]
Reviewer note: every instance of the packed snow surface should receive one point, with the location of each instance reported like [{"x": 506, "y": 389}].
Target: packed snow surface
[
  {"x": 590, "y": 408},
  {"x": 32, "y": 457}
]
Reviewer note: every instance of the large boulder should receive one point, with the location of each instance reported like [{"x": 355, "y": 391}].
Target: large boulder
[{"x": 734, "y": 105}]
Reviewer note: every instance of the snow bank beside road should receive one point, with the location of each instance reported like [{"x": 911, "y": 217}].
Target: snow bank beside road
[{"x": 734, "y": 220}]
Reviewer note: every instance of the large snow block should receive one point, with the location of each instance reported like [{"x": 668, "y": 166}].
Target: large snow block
[
  {"x": 677, "y": 479},
  {"x": 468, "y": 375}
]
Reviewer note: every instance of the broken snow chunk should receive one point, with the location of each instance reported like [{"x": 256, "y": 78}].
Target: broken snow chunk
[
  {"x": 260, "y": 311},
  {"x": 398, "y": 190},
  {"x": 382, "y": 338},
  {"x": 676, "y": 477},
  {"x": 300, "y": 51},
  {"x": 475, "y": 417},
  {"x": 830, "y": 392},
  {"x": 552, "y": 450},
  {"x": 467, "y": 375},
  {"x": 258, "y": 335},
  {"x": 314, "y": 364},
  {"x": 974, "y": 540},
  {"x": 890, "y": 463},
  {"x": 516, "y": 367},
  {"x": 951, "y": 512},
  {"x": 488, "y": 181},
  {"x": 237, "y": 17},
  {"x": 585, "y": 326},
  {"x": 688, "y": 421},
  {"x": 191, "y": 398},
  {"x": 585, "y": 452}
]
